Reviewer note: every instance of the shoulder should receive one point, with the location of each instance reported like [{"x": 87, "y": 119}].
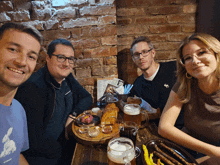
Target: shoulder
[
  {"x": 17, "y": 108},
  {"x": 37, "y": 75},
  {"x": 139, "y": 79},
  {"x": 168, "y": 65}
]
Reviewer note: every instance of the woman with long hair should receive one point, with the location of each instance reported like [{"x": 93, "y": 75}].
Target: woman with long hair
[{"x": 196, "y": 92}]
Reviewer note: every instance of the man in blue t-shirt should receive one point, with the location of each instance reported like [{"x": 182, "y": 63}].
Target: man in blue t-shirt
[{"x": 19, "y": 51}]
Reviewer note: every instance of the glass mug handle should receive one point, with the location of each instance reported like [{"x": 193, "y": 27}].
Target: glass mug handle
[
  {"x": 144, "y": 118},
  {"x": 126, "y": 160}
]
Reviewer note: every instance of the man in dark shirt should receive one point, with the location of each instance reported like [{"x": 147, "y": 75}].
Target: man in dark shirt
[
  {"x": 157, "y": 79},
  {"x": 51, "y": 98}
]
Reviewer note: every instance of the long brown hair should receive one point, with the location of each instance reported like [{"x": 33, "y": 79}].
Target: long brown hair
[{"x": 184, "y": 91}]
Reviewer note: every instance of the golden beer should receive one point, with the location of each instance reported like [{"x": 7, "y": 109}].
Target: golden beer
[
  {"x": 121, "y": 151},
  {"x": 132, "y": 112}
]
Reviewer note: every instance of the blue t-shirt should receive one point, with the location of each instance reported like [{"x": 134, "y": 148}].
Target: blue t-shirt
[{"x": 13, "y": 133}]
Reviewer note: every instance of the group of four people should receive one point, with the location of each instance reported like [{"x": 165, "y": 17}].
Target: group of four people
[{"x": 52, "y": 97}]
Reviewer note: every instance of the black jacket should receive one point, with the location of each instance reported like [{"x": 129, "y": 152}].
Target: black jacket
[{"x": 37, "y": 96}]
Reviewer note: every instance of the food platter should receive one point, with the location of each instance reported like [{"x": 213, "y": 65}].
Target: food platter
[
  {"x": 93, "y": 133},
  {"x": 171, "y": 149},
  {"x": 94, "y": 122}
]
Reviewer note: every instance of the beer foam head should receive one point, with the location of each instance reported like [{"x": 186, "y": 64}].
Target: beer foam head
[
  {"x": 118, "y": 150},
  {"x": 132, "y": 109}
]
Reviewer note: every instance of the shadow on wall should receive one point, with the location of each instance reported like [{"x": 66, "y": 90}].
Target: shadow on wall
[{"x": 127, "y": 70}]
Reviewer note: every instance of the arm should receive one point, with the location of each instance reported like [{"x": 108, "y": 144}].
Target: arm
[
  {"x": 40, "y": 144},
  {"x": 167, "y": 129},
  {"x": 83, "y": 99},
  {"x": 22, "y": 160}
]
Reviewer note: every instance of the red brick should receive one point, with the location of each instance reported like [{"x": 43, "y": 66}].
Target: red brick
[
  {"x": 86, "y": 81},
  {"x": 83, "y": 73},
  {"x": 113, "y": 51},
  {"x": 166, "y": 45},
  {"x": 6, "y": 6},
  {"x": 111, "y": 40},
  {"x": 164, "y": 28},
  {"x": 151, "y": 20},
  {"x": 182, "y": 18},
  {"x": 122, "y": 48},
  {"x": 110, "y": 60},
  {"x": 189, "y": 8},
  {"x": 158, "y": 37},
  {"x": 125, "y": 40},
  {"x": 19, "y": 15},
  {"x": 163, "y": 10},
  {"x": 124, "y": 21},
  {"x": 110, "y": 70},
  {"x": 165, "y": 55},
  {"x": 189, "y": 28},
  {"x": 97, "y": 71},
  {"x": 104, "y": 20},
  {"x": 86, "y": 43},
  {"x": 130, "y": 12},
  {"x": 97, "y": 61},
  {"x": 125, "y": 3},
  {"x": 99, "y": 31},
  {"x": 177, "y": 37},
  {"x": 97, "y": 10},
  {"x": 100, "y": 52},
  {"x": 54, "y": 34},
  {"x": 84, "y": 63},
  {"x": 134, "y": 29}
]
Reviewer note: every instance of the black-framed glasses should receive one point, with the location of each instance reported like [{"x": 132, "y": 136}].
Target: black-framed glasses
[
  {"x": 200, "y": 54},
  {"x": 144, "y": 53},
  {"x": 62, "y": 58}
]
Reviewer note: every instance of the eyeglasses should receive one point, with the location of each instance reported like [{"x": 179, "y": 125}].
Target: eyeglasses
[
  {"x": 144, "y": 53},
  {"x": 200, "y": 54},
  {"x": 62, "y": 58}
]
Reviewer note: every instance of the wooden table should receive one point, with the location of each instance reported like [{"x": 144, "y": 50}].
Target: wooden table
[{"x": 97, "y": 154}]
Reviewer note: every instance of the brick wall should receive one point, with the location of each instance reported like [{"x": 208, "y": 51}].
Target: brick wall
[
  {"x": 165, "y": 22},
  {"x": 102, "y": 43}
]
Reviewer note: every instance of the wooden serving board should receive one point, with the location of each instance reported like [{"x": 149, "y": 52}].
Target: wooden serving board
[{"x": 102, "y": 138}]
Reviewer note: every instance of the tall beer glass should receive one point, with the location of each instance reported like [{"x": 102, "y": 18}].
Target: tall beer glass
[
  {"x": 133, "y": 112},
  {"x": 121, "y": 152}
]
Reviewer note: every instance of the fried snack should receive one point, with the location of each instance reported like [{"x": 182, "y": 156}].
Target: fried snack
[
  {"x": 163, "y": 158},
  {"x": 174, "y": 153},
  {"x": 110, "y": 107},
  {"x": 167, "y": 156},
  {"x": 110, "y": 114}
]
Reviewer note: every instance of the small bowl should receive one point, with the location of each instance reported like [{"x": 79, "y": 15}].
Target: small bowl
[
  {"x": 83, "y": 129},
  {"x": 107, "y": 129},
  {"x": 94, "y": 131}
]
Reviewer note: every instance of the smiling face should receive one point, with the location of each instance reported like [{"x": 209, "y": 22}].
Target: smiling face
[
  {"x": 18, "y": 56},
  {"x": 144, "y": 63},
  {"x": 57, "y": 69},
  {"x": 200, "y": 68}
]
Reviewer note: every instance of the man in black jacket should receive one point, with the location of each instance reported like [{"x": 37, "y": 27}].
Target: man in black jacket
[{"x": 51, "y": 98}]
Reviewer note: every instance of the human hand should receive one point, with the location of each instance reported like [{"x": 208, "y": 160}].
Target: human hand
[
  {"x": 68, "y": 127},
  {"x": 147, "y": 106}
]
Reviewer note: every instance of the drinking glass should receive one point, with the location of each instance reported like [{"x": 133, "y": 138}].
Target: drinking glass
[
  {"x": 120, "y": 151},
  {"x": 129, "y": 130},
  {"x": 134, "y": 113}
]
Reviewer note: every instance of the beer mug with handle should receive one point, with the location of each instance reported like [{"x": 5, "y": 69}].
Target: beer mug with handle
[
  {"x": 134, "y": 113},
  {"x": 121, "y": 151}
]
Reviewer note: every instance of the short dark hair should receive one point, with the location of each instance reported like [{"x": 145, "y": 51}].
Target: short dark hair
[
  {"x": 23, "y": 28},
  {"x": 141, "y": 39},
  {"x": 52, "y": 46}
]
